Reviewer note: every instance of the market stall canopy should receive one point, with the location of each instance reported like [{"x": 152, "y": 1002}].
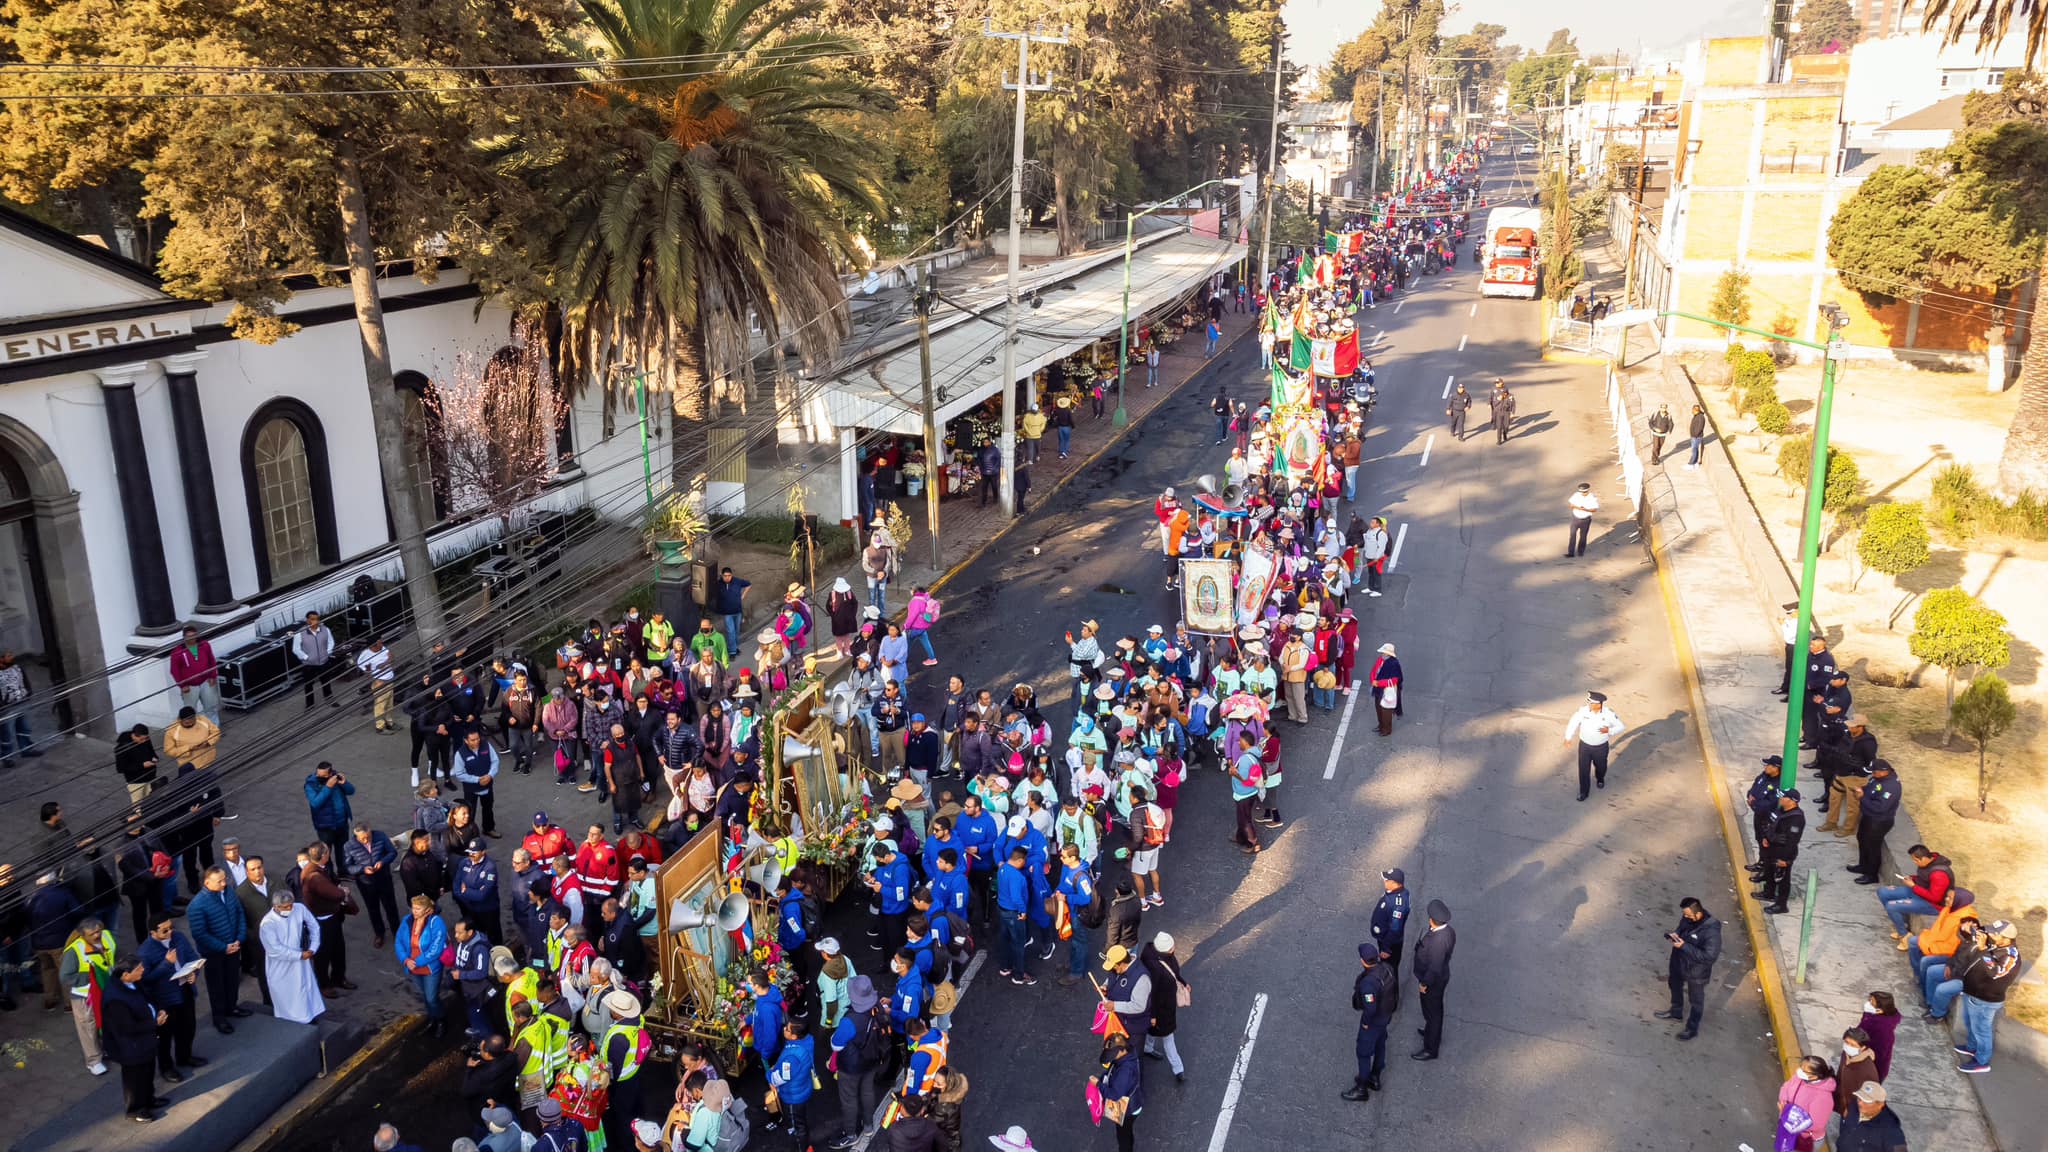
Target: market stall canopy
[{"x": 1082, "y": 302}]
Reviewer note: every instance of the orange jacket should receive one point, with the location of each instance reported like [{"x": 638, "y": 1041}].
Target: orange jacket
[{"x": 1942, "y": 937}]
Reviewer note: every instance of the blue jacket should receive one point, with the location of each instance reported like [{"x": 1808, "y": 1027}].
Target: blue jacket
[
  {"x": 791, "y": 1076},
  {"x": 933, "y": 846},
  {"x": 949, "y": 891},
  {"x": 922, "y": 951},
  {"x": 473, "y": 959},
  {"x": 329, "y": 805},
  {"x": 156, "y": 972},
  {"x": 476, "y": 883},
  {"x": 789, "y": 928},
  {"x": 1013, "y": 890},
  {"x": 730, "y": 602},
  {"x": 1390, "y": 919},
  {"x": 766, "y": 1018},
  {"x": 1076, "y": 885},
  {"x": 216, "y": 920},
  {"x": 355, "y": 857},
  {"x": 1033, "y": 843},
  {"x": 895, "y": 880},
  {"x": 908, "y": 998},
  {"x": 979, "y": 833},
  {"x": 433, "y": 938}
]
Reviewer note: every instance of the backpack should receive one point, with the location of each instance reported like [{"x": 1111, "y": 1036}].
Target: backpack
[
  {"x": 733, "y": 1130},
  {"x": 1153, "y": 832},
  {"x": 1095, "y": 913},
  {"x": 873, "y": 1042}
]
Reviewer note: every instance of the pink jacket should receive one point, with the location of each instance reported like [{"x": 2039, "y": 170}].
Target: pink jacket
[
  {"x": 922, "y": 613},
  {"x": 190, "y": 670},
  {"x": 1815, "y": 1097}
]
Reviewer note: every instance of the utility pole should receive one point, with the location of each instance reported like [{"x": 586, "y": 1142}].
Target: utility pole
[
  {"x": 921, "y": 298},
  {"x": 1007, "y": 496},
  {"x": 1272, "y": 173},
  {"x": 1635, "y": 220},
  {"x": 1379, "y": 132}
]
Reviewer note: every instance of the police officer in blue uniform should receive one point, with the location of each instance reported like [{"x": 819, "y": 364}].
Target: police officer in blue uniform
[
  {"x": 1763, "y": 806},
  {"x": 1390, "y": 919},
  {"x": 1372, "y": 994}
]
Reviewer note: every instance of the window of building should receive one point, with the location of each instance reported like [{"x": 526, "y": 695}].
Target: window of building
[
  {"x": 285, "y": 490},
  {"x": 290, "y": 496}
]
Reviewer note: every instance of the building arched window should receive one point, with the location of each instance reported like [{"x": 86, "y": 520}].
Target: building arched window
[
  {"x": 426, "y": 466},
  {"x": 290, "y": 494}
]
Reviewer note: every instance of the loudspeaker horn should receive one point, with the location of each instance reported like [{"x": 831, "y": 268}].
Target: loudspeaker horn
[
  {"x": 767, "y": 874},
  {"x": 1206, "y": 482},
  {"x": 795, "y": 749},
  {"x": 732, "y": 912}
]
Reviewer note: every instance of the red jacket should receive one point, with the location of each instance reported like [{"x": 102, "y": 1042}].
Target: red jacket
[
  {"x": 545, "y": 846},
  {"x": 1933, "y": 882},
  {"x": 597, "y": 867},
  {"x": 190, "y": 669}
]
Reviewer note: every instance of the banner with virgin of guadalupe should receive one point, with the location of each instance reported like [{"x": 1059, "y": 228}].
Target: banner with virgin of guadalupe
[
  {"x": 1205, "y": 595},
  {"x": 1254, "y": 580},
  {"x": 1297, "y": 444}
]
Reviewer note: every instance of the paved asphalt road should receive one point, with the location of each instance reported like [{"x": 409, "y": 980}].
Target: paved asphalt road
[{"x": 1560, "y": 906}]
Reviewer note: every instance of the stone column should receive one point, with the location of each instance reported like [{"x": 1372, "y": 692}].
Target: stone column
[
  {"x": 156, "y": 612},
  {"x": 195, "y": 475}
]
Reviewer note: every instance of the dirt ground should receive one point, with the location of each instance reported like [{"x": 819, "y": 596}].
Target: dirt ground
[{"x": 1903, "y": 426}]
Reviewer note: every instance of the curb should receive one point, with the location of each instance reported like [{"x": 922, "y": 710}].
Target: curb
[
  {"x": 328, "y": 1086},
  {"x": 1086, "y": 463},
  {"x": 1769, "y": 970}
]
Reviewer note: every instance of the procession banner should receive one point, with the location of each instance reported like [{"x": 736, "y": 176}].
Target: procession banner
[
  {"x": 1291, "y": 391},
  {"x": 1297, "y": 444},
  {"x": 1205, "y": 595},
  {"x": 1344, "y": 242},
  {"x": 1336, "y": 357},
  {"x": 1254, "y": 580}
]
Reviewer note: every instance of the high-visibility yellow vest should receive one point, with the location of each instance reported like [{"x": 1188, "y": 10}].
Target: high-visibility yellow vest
[
  {"x": 95, "y": 965},
  {"x": 525, "y": 986},
  {"x": 631, "y": 1064},
  {"x": 547, "y": 1044},
  {"x": 556, "y": 946}
]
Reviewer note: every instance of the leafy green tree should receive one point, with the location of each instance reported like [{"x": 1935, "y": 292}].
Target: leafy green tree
[
  {"x": 261, "y": 177},
  {"x": 1894, "y": 539},
  {"x": 1984, "y": 712},
  {"x": 1541, "y": 81},
  {"x": 687, "y": 206},
  {"x": 1756, "y": 381},
  {"x": 1826, "y": 26},
  {"x": 1773, "y": 419},
  {"x": 1795, "y": 459},
  {"x": 1953, "y": 630},
  {"x": 1730, "y": 302},
  {"x": 1971, "y": 217}
]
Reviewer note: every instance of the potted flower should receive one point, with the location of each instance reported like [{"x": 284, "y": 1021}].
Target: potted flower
[
  {"x": 672, "y": 530},
  {"x": 913, "y": 474}
]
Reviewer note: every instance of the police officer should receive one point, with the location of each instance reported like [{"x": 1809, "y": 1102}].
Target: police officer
[
  {"x": 1460, "y": 404},
  {"x": 1503, "y": 404},
  {"x": 1390, "y": 918},
  {"x": 1763, "y": 801},
  {"x": 1879, "y": 808},
  {"x": 1781, "y": 848},
  {"x": 1695, "y": 945},
  {"x": 1820, "y": 669},
  {"x": 1372, "y": 994}
]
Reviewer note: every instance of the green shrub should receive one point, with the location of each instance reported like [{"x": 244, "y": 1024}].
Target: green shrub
[
  {"x": 1843, "y": 486},
  {"x": 1733, "y": 353},
  {"x": 1894, "y": 539},
  {"x": 1795, "y": 458},
  {"x": 1756, "y": 381},
  {"x": 1774, "y": 419},
  {"x": 1953, "y": 631},
  {"x": 1960, "y": 508}
]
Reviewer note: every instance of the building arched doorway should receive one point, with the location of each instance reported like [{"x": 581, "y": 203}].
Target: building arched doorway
[{"x": 51, "y": 625}]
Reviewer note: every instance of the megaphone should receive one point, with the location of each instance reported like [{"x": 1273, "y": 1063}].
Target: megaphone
[
  {"x": 731, "y": 913},
  {"x": 842, "y": 704},
  {"x": 795, "y": 749},
  {"x": 767, "y": 874},
  {"x": 1206, "y": 482}
]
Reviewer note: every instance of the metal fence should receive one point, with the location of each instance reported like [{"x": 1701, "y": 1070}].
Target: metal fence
[{"x": 1651, "y": 287}]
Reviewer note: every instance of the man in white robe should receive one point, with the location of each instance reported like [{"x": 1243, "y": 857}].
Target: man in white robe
[{"x": 290, "y": 936}]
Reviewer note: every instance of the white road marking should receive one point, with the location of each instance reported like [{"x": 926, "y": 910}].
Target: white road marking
[
  {"x": 1474, "y": 310},
  {"x": 1398, "y": 303},
  {"x": 1426, "y": 446},
  {"x": 1394, "y": 557},
  {"x": 1461, "y": 343},
  {"x": 1379, "y": 335},
  {"x": 1343, "y": 726},
  {"x": 1237, "y": 1071},
  {"x": 882, "y": 1109},
  {"x": 1447, "y": 387}
]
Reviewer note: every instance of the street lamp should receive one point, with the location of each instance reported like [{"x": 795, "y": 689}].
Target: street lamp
[
  {"x": 1122, "y": 416},
  {"x": 1809, "y": 532}
]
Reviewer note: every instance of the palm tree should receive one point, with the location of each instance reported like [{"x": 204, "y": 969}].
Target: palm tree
[
  {"x": 2024, "y": 463},
  {"x": 703, "y": 191}
]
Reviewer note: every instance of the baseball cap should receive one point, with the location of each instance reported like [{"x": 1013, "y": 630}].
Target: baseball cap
[
  {"x": 499, "y": 1117},
  {"x": 1790, "y": 794},
  {"x": 540, "y": 818},
  {"x": 476, "y": 844},
  {"x": 1872, "y": 1092},
  {"x": 1116, "y": 955},
  {"x": 1775, "y": 761},
  {"x": 2003, "y": 929},
  {"x": 1396, "y": 875}
]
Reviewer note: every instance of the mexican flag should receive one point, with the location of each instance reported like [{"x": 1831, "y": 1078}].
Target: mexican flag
[
  {"x": 1338, "y": 357},
  {"x": 1343, "y": 241},
  {"x": 1290, "y": 391}
]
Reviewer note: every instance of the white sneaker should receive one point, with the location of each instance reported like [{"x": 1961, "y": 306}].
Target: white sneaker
[
  {"x": 1372, "y": 593},
  {"x": 96, "y": 1069}
]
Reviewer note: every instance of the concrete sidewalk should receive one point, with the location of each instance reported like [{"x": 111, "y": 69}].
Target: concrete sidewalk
[{"x": 1728, "y": 583}]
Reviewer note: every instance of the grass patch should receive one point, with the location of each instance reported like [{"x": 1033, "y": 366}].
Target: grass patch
[{"x": 1960, "y": 509}]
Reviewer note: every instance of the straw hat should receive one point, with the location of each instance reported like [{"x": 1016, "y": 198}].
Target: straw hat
[
  {"x": 1014, "y": 1140},
  {"x": 945, "y": 998},
  {"x": 908, "y": 792}
]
